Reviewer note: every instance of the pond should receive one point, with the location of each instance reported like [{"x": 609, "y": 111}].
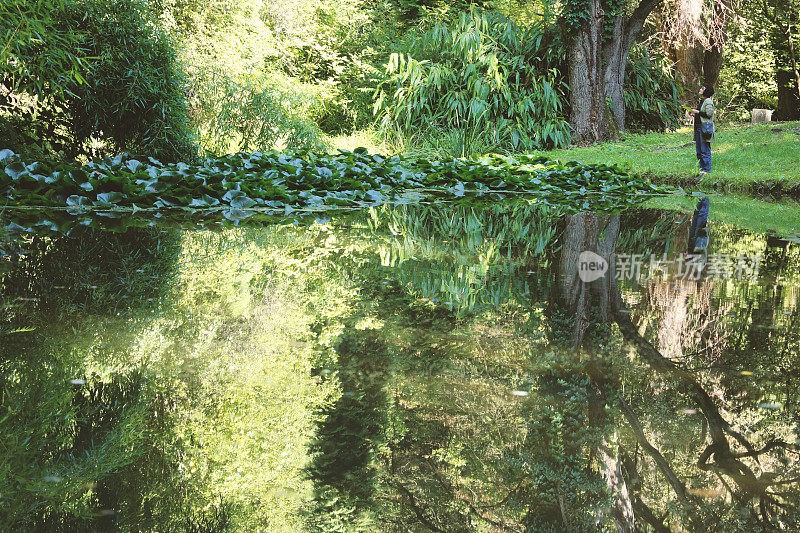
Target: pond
[{"x": 407, "y": 368}]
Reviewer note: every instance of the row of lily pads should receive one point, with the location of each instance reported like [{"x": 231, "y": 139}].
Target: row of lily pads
[{"x": 239, "y": 185}]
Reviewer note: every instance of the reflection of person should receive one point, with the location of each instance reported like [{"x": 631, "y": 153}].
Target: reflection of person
[
  {"x": 704, "y": 114},
  {"x": 698, "y": 238}
]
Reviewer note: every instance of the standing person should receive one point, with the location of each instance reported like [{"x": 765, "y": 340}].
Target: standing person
[{"x": 704, "y": 114}]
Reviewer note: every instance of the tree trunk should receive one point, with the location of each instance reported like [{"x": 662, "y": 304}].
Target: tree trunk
[
  {"x": 785, "y": 51},
  {"x": 615, "y": 55},
  {"x": 586, "y": 80},
  {"x": 712, "y": 64},
  {"x": 597, "y": 72}
]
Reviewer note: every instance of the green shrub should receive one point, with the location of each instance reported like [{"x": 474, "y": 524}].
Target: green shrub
[
  {"x": 336, "y": 46},
  {"x": 257, "y": 113},
  {"x": 130, "y": 97},
  {"x": 651, "y": 93},
  {"x": 484, "y": 74}
]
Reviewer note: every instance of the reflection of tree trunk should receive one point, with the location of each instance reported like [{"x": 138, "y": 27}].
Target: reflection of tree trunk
[
  {"x": 611, "y": 468},
  {"x": 719, "y": 456},
  {"x": 576, "y": 297},
  {"x": 348, "y": 436},
  {"x": 585, "y": 303},
  {"x": 600, "y": 300}
]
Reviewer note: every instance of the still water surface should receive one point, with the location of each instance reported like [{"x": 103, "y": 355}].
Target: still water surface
[{"x": 408, "y": 369}]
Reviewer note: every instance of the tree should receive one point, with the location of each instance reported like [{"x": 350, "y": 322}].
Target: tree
[
  {"x": 88, "y": 71},
  {"x": 598, "y": 54},
  {"x": 783, "y": 19},
  {"x": 694, "y": 35}
]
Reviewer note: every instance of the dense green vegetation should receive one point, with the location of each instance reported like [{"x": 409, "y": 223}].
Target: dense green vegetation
[
  {"x": 92, "y": 78},
  {"x": 165, "y": 79},
  {"x": 220, "y": 312},
  {"x": 298, "y": 75},
  {"x": 237, "y": 186}
]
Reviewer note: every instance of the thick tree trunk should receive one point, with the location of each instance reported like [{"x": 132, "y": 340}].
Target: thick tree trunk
[
  {"x": 787, "y": 75},
  {"x": 695, "y": 44},
  {"x": 688, "y": 59},
  {"x": 615, "y": 57},
  {"x": 586, "y": 81},
  {"x": 788, "y": 96},
  {"x": 597, "y": 72},
  {"x": 712, "y": 64}
]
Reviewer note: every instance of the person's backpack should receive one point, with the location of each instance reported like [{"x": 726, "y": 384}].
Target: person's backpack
[{"x": 707, "y": 129}]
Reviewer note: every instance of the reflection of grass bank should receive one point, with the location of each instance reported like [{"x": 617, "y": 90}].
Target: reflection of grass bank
[
  {"x": 756, "y": 215},
  {"x": 745, "y": 157}
]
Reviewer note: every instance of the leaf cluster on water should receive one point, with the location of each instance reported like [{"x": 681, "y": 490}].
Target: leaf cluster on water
[{"x": 280, "y": 184}]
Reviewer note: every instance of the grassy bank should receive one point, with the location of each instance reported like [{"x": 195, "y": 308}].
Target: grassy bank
[
  {"x": 763, "y": 158},
  {"x": 746, "y": 158}
]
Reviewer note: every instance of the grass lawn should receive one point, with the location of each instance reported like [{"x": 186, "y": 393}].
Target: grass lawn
[{"x": 752, "y": 158}]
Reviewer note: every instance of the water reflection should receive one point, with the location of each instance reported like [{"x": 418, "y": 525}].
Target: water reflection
[{"x": 406, "y": 369}]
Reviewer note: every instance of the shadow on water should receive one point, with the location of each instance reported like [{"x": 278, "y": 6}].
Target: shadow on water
[{"x": 409, "y": 368}]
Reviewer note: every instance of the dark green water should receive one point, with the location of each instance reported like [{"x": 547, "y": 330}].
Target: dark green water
[{"x": 413, "y": 369}]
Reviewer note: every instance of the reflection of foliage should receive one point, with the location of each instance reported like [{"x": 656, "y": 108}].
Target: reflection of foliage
[
  {"x": 83, "y": 452},
  {"x": 468, "y": 259},
  {"x": 560, "y": 440},
  {"x": 276, "y": 342},
  {"x": 246, "y": 307},
  {"x": 81, "y": 456},
  {"x": 92, "y": 270},
  {"x": 348, "y": 437}
]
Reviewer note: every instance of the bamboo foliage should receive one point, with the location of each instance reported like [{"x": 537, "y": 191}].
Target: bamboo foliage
[{"x": 486, "y": 73}]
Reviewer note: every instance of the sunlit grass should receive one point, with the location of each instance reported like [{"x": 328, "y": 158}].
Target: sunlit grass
[
  {"x": 743, "y": 155},
  {"x": 368, "y": 138}
]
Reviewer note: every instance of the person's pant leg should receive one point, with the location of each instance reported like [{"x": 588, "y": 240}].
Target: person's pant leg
[{"x": 705, "y": 155}]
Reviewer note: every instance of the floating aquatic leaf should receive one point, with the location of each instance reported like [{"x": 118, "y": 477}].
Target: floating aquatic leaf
[
  {"x": 204, "y": 201},
  {"x": 15, "y": 169},
  {"x": 242, "y": 202},
  {"x": 286, "y": 182},
  {"x": 78, "y": 201},
  {"x": 236, "y": 215},
  {"x": 109, "y": 198}
]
